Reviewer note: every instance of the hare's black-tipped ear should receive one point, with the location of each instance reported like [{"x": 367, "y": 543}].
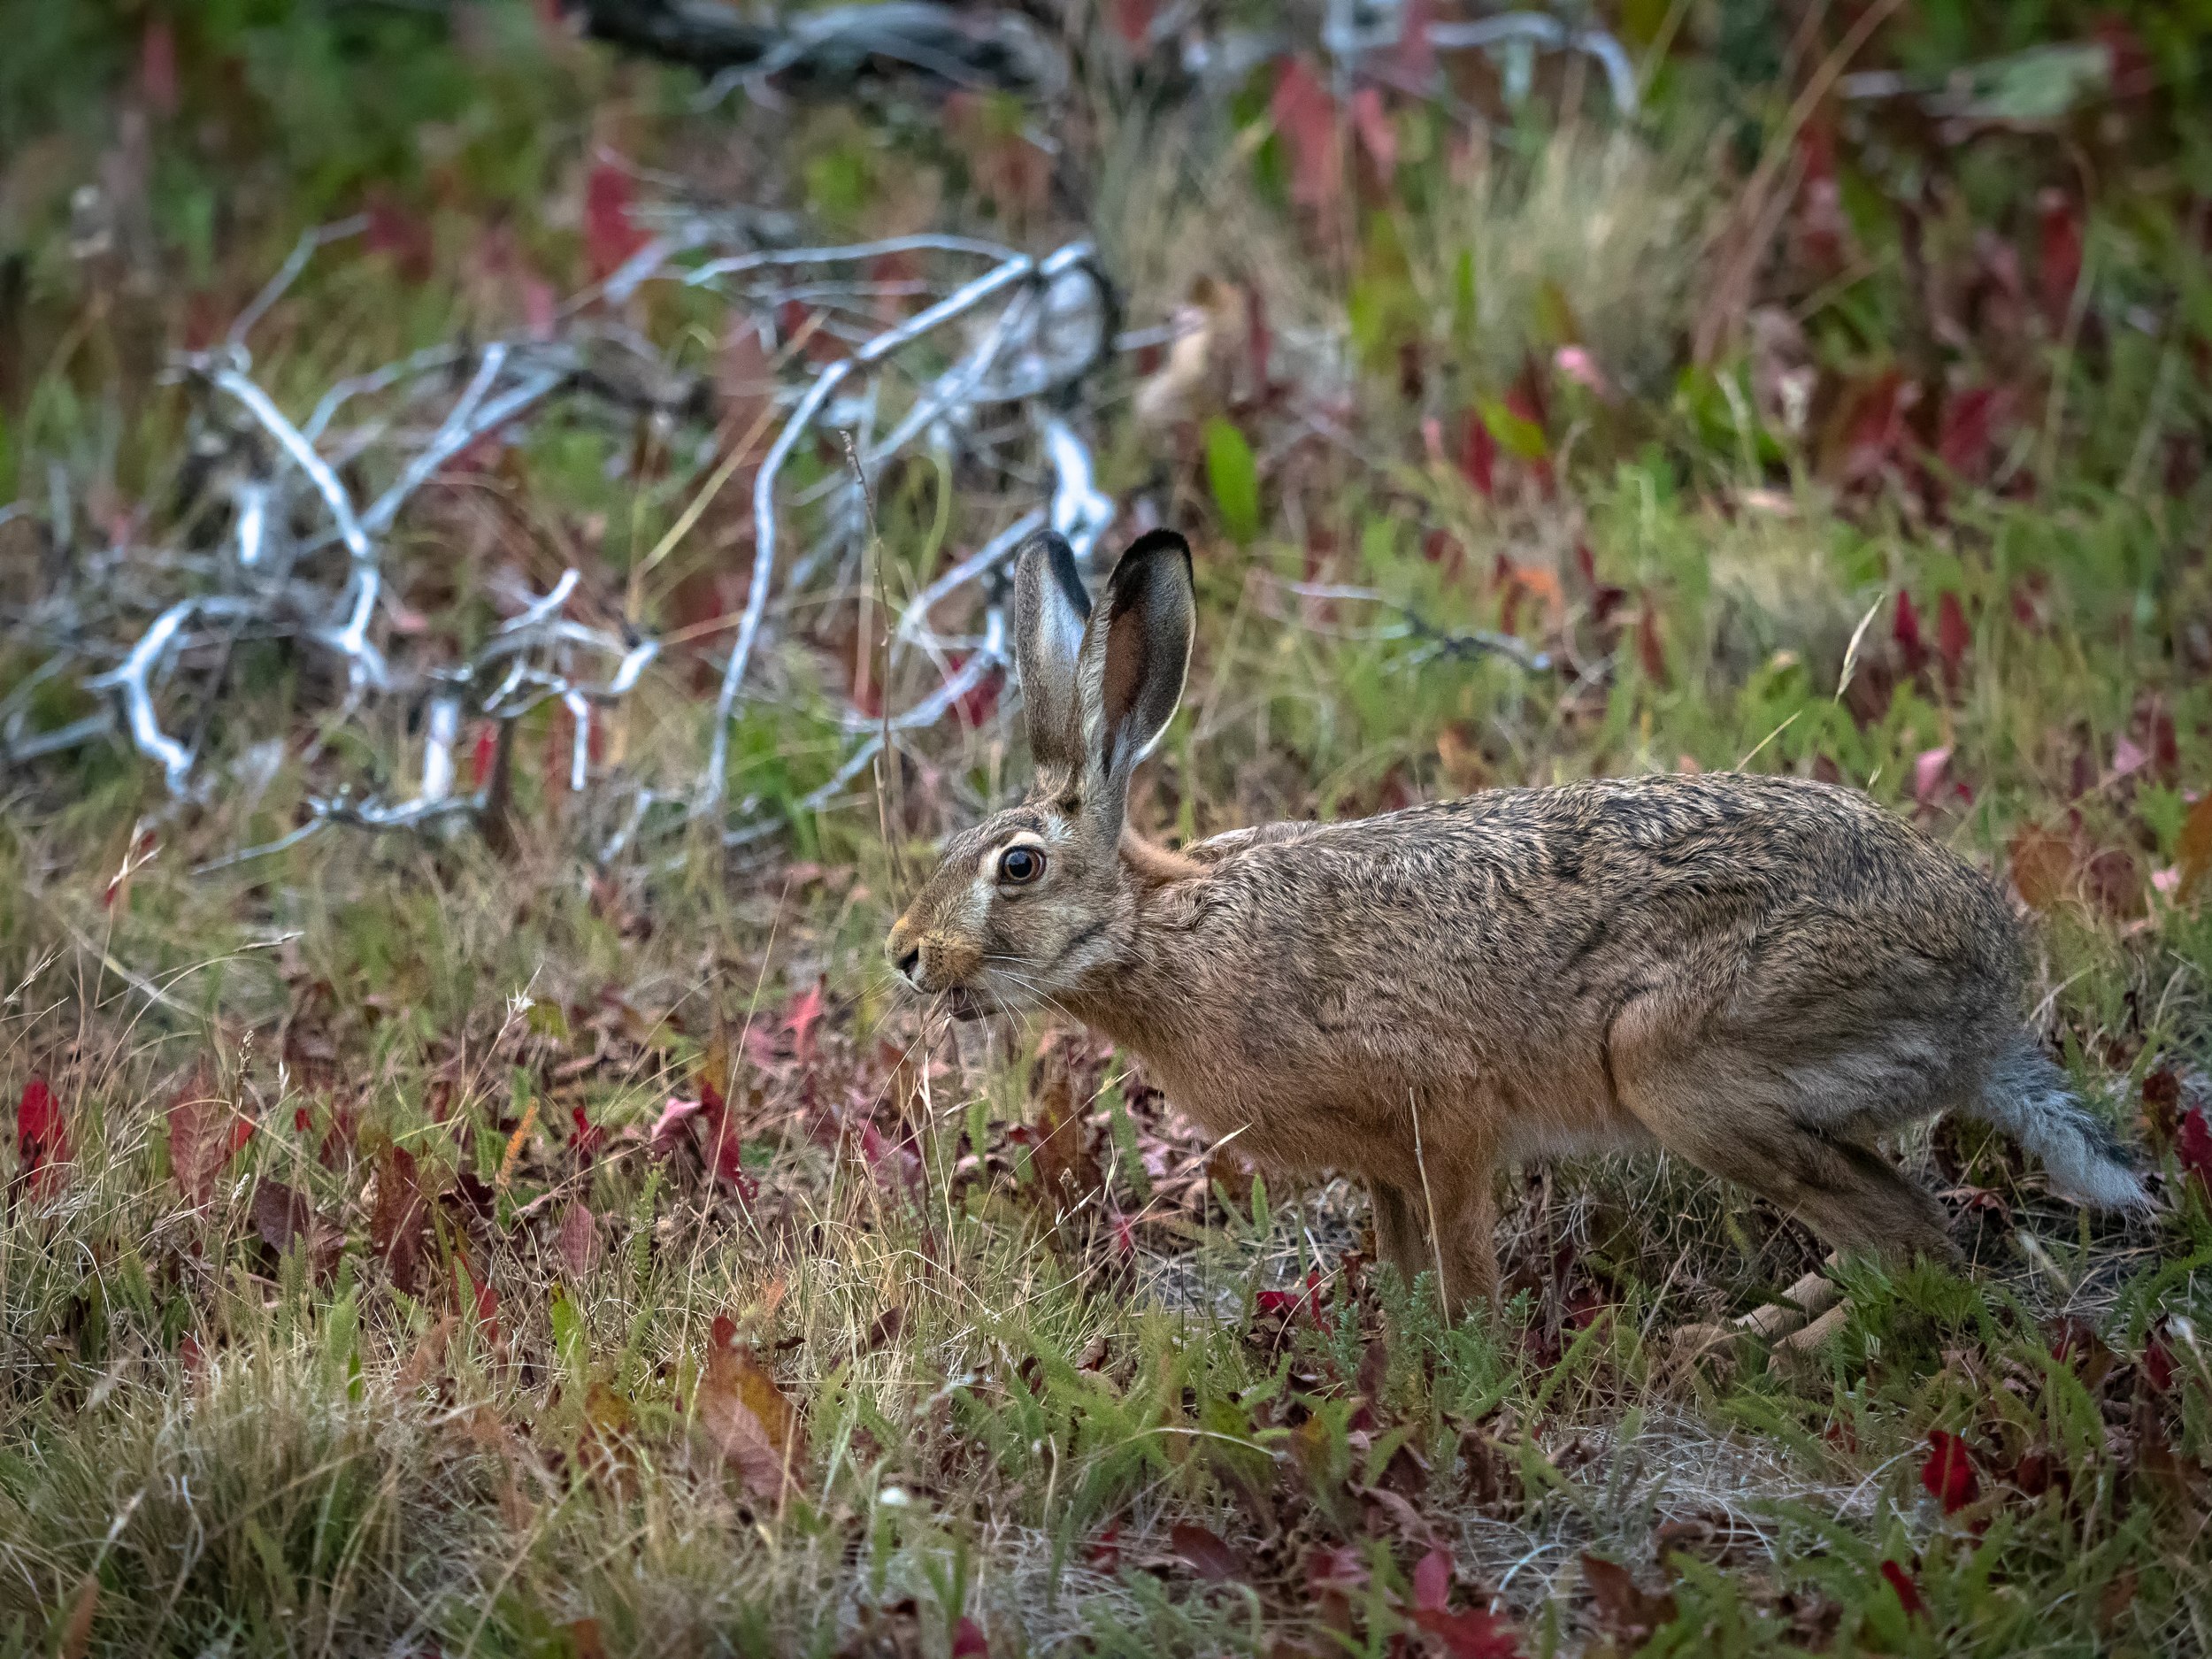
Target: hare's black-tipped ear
[
  {"x": 1049, "y": 609},
  {"x": 1135, "y": 653}
]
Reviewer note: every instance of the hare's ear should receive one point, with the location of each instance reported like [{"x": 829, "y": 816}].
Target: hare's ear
[
  {"x": 1135, "y": 653},
  {"x": 1049, "y": 609}
]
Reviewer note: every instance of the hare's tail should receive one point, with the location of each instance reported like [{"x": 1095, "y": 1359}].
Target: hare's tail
[{"x": 2028, "y": 1098}]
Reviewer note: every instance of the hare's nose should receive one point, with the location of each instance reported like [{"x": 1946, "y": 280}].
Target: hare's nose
[{"x": 910, "y": 964}]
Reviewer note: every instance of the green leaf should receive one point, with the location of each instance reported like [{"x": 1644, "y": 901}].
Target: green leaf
[
  {"x": 1520, "y": 437},
  {"x": 1234, "y": 478}
]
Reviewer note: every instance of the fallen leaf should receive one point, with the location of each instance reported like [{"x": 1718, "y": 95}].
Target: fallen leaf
[
  {"x": 2042, "y": 866},
  {"x": 609, "y": 238},
  {"x": 1626, "y": 1612},
  {"x": 800, "y": 1023},
  {"x": 76, "y": 1632},
  {"x": 1474, "y": 1634},
  {"x": 205, "y": 1134},
  {"x": 1905, "y": 630},
  {"x": 281, "y": 1215},
  {"x": 1376, "y": 135},
  {"x": 1927, "y": 772},
  {"x": 399, "y": 1220},
  {"x": 746, "y": 1418},
  {"x": 1207, "y": 1554},
  {"x": 2192, "y": 1144},
  {"x": 1948, "y": 1472},
  {"x": 42, "y": 1140},
  {"x": 1952, "y": 636},
  {"x": 884, "y": 1332},
  {"x": 1305, "y": 116},
  {"x": 967, "y": 1639},
  {"x": 578, "y": 1241},
  {"x": 583, "y": 1640},
  {"x": 1433, "y": 1581},
  {"x": 2193, "y": 855},
  {"x": 1908, "y": 1591}
]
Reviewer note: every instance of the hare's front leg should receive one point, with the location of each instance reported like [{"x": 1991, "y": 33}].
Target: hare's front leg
[{"x": 1460, "y": 1236}]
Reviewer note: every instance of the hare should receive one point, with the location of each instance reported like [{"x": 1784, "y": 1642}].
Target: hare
[{"x": 1759, "y": 974}]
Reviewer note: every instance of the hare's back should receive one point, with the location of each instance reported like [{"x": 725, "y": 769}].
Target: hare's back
[{"x": 1757, "y": 893}]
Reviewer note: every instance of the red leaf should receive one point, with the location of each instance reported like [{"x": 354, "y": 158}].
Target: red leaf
[
  {"x": 1908, "y": 1592},
  {"x": 284, "y": 1218},
  {"x": 485, "y": 1299},
  {"x": 800, "y": 1022},
  {"x": 1479, "y": 458},
  {"x": 1433, "y": 1581},
  {"x": 404, "y": 235},
  {"x": 1379, "y": 138},
  {"x": 1905, "y": 629},
  {"x": 577, "y": 1239},
  {"x": 2133, "y": 74},
  {"x": 1106, "y": 1550},
  {"x": 1927, "y": 772},
  {"x": 482, "y": 755},
  {"x": 2058, "y": 235},
  {"x": 204, "y": 1135},
  {"x": 1627, "y": 1612},
  {"x": 1305, "y": 115},
  {"x": 589, "y": 1137},
  {"x": 1475, "y": 1634},
  {"x": 1948, "y": 1472},
  {"x": 40, "y": 1139},
  {"x": 399, "y": 1220},
  {"x": 157, "y": 66},
  {"x": 967, "y": 1641},
  {"x": 1970, "y": 423},
  {"x": 1875, "y": 431},
  {"x": 1951, "y": 635},
  {"x": 1290, "y": 1304},
  {"x": 1133, "y": 21},
  {"x": 609, "y": 238},
  {"x": 2192, "y": 1142},
  {"x": 1416, "y": 53},
  {"x": 1649, "y": 652},
  {"x": 668, "y": 1128},
  {"x": 1207, "y": 1555},
  {"x": 2158, "y": 1362},
  {"x": 976, "y": 703},
  {"x": 724, "y": 1153}
]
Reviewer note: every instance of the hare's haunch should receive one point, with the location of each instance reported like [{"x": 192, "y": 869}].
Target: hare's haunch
[{"x": 1759, "y": 975}]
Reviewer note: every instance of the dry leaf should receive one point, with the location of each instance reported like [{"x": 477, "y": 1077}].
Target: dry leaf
[
  {"x": 1629, "y": 1614},
  {"x": 2042, "y": 866},
  {"x": 1207, "y": 1555},
  {"x": 202, "y": 1136},
  {"x": 400, "y": 1219},
  {"x": 577, "y": 1239},
  {"x": 2192, "y": 857},
  {"x": 76, "y": 1634},
  {"x": 746, "y": 1418}
]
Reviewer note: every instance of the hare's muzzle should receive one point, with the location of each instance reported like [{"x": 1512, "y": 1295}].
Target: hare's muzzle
[{"x": 903, "y": 948}]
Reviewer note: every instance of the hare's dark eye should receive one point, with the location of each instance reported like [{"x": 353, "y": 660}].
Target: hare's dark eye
[{"x": 1018, "y": 866}]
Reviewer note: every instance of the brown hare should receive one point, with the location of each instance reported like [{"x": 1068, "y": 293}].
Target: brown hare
[{"x": 1761, "y": 975}]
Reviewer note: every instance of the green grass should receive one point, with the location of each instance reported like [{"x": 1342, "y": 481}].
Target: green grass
[{"x": 449, "y": 1356}]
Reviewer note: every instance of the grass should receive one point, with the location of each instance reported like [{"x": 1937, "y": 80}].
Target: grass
[{"x": 370, "y": 1304}]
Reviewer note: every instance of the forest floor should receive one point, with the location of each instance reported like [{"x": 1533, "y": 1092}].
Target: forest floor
[{"x": 471, "y": 1242}]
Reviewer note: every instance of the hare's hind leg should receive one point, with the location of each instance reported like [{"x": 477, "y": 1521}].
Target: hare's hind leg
[{"x": 1730, "y": 1121}]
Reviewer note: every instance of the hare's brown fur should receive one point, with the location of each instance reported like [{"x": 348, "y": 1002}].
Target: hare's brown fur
[{"x": 1759, "y": 975}]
